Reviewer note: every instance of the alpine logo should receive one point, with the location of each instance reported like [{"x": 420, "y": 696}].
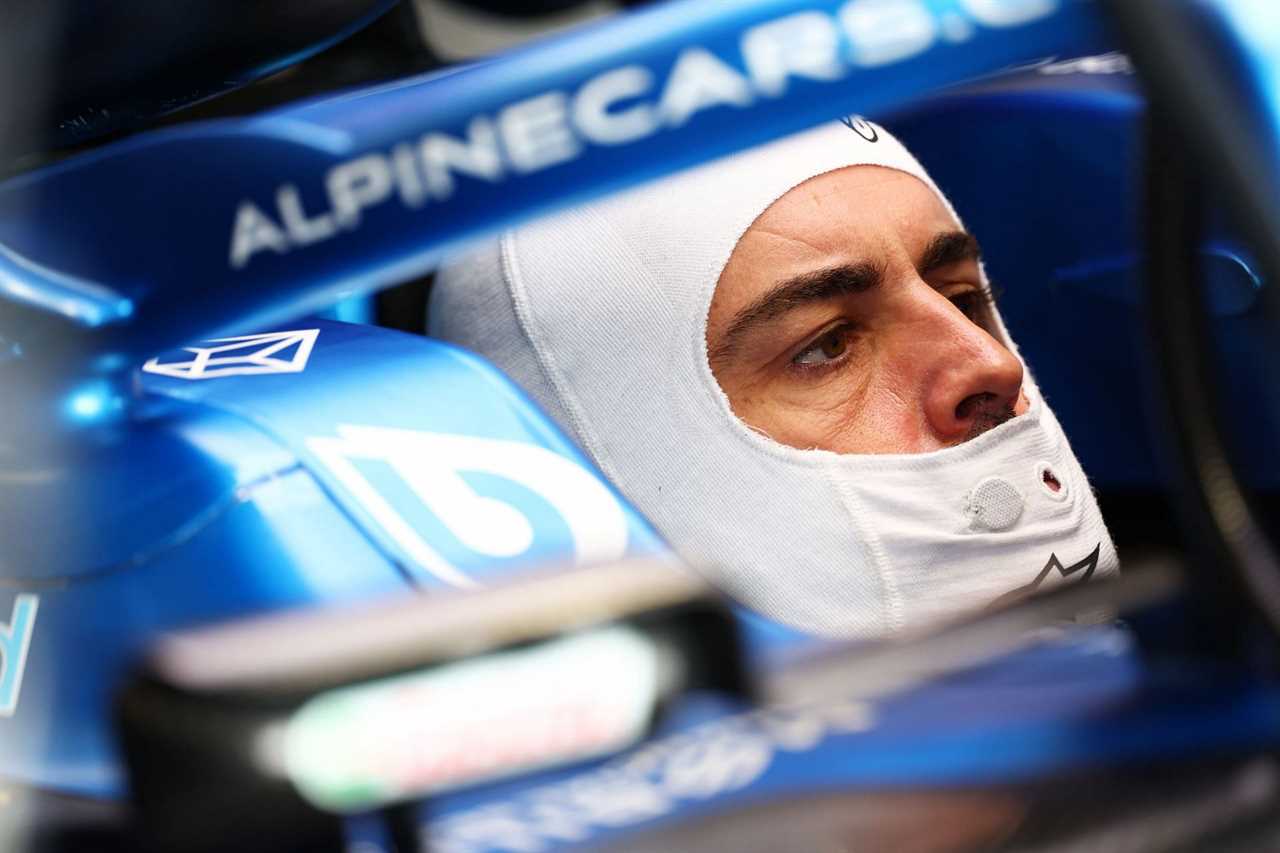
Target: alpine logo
[
  {"x": 862, "y": 127},
  {"x": 1088, "y": 565}
]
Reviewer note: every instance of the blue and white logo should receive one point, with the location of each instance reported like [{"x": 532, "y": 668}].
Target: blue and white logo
[
  {"x": 243, "y": 355},
  {"x": 15, "y": 641},
  {"x": 432, "y": 466}
]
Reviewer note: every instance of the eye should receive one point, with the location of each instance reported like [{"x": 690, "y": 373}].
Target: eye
[
  {"x": 974, "y": 304},
  {"x": 828, "y": 349}
]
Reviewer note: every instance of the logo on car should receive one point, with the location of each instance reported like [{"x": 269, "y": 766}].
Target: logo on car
[
  {"x": 243, "y": 355},
  {"x": 15, "y": 641},
  {"x": 432, "y": 466}
]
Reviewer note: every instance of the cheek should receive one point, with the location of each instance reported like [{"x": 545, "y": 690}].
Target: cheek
[
  {"x": 871, "y": 410},
  {"x": 887, "y": 419}
]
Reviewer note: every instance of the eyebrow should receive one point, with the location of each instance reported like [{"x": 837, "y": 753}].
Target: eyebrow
[
  {"x": 833, "y": 282},
  {"x": 948, "y": 248},
  {"x": 804, "y": 289}
]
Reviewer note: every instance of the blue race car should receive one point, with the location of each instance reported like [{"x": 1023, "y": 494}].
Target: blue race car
[{"x": 266, "y": 460}]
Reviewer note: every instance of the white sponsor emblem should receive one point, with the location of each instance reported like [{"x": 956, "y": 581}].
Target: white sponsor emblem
[
  {"x": 15, "y": 641},
  {"x": 244, "y": 355},
  {"x": 431, "y": 465}
]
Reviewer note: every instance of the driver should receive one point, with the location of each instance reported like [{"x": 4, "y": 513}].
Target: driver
[{"x": 791, "y": 362}]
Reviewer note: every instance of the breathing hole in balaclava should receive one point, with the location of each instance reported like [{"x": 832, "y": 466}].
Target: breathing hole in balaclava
[{"x": 1051, "y": 481}]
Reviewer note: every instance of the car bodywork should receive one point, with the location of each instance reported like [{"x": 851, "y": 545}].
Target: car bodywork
[{"x": 425, "y": 469}]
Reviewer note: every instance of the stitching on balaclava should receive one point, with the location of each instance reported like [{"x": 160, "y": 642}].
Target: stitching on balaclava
[
  {"x": 546, "y": 361},
  {"x": 893, "y": 617}
]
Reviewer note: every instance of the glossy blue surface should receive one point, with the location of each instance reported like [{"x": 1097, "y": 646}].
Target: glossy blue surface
[
  {"x": 1083, "y": 700},
  {"x": 225, "y": 496},
  {"x": 402, "y": 387},
  {"x": 202, "y": 499},
  {"x": 213, "y": 506},
  {"x": 1245, "y": 37},
  {"x": 194, "y": 232}
]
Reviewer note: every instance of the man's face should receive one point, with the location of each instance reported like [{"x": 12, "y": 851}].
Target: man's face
[{"x": 851, "y": 317}]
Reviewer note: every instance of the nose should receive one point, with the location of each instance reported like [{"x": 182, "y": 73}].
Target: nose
[{"x": 972, "y": 381}]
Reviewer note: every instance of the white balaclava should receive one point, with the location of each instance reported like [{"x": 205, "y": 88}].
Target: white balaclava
[{"x": 600, "y": 313}]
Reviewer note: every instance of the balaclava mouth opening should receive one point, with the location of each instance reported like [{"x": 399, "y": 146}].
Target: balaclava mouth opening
[{"x": 600, "y": 314}]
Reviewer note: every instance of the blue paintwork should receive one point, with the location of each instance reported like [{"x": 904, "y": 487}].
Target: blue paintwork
[
  {"x": 1080, "y": 701},
  {"x": 211, "y": 507},
  {"x": 203, "y": 500},
  {"x": 248, "y": 546},
  {"x": 160, "y": 274},
  {"x": 379, "y": 378},
  {"x": 1245, "y": 51},
  {"x": 199, "y": 501}
]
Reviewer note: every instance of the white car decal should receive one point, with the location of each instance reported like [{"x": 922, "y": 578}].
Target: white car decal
[
  {"x": 243, "y": 355},
  {"x": 15, "y": 641},
  {"x": 430, "y": 464}
]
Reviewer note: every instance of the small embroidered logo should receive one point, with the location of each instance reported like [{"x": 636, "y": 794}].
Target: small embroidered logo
[{"x": 862, "y": 127}]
